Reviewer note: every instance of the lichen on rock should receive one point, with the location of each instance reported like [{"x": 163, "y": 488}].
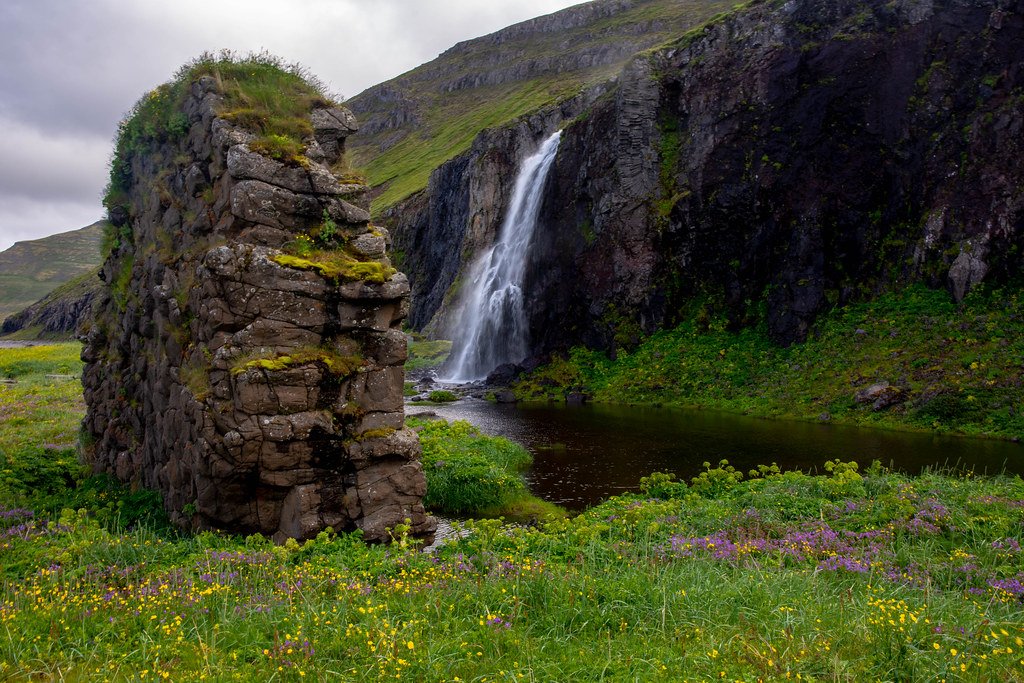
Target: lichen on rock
[{"x": 258, "y": 390}]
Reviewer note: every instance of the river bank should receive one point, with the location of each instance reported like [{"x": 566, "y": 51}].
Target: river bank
[{"x": 910, "y": 360}]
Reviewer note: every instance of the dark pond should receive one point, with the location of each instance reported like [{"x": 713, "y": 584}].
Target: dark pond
[{"x": 583, "y": 454}]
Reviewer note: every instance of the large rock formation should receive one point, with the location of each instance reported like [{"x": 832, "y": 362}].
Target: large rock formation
[
  {"x": 779, "y": 161},
  {"x": 251, "y": 377}
]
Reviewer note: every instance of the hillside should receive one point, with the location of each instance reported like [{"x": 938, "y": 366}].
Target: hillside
[
  {"x": 56, "y": 315},
  {"x": 32, "y": 269},
  {"x": 411, "y": 124}
]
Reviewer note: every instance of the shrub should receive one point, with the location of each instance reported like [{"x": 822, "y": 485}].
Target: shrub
[
  {"x": 443, "y": 396},
  {"x": 469, "y": 473}
]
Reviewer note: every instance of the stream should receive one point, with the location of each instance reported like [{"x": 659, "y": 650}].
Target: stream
[{"x": 584, "y": 454}]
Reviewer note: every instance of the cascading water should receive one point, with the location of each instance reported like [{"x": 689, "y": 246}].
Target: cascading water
[{"x": 493, "y": 329}]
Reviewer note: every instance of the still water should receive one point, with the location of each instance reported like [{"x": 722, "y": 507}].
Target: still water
[{"x": 583, "y": 454}]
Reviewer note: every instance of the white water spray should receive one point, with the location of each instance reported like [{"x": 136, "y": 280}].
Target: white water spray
[{"x": 493, "y": 322}]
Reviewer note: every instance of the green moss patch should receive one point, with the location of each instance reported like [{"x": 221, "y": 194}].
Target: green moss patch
[
  {"x": 338, "y": 266},
  {"x": 336, "y": 364}
]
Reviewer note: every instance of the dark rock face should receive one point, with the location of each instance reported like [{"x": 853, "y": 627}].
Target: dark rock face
[
  {"x": 461, "y": 210},
  {"x": 797, "y": 157},
  {"x": 781, "y": 161},
  {"x": 256, "y": 394}
]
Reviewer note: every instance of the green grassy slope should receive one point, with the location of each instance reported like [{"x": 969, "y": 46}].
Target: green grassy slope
[
  {"x": 32, "y": 269},
  {"x": 956, "y": 368},
  {"x": 57, "y": 304},
  {"x": 520, "y": 70}
]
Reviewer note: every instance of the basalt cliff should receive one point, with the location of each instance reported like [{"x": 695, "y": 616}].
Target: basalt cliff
[
  {"x": 773, "y": 163},
  {"x": 244, "y": 357}
]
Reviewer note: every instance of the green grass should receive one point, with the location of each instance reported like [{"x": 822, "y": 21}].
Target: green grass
[
  {"x": 846, "y": 576},
  {"x": 469, "y": 473},
  {"x": 442, "y": 396},
  {"x": 39, "y": 463},
  {"x": 960, "y": 366},
  {"x": 427, "y": 353}
]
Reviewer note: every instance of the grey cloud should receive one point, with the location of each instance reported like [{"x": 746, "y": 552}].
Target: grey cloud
[
  {"x": 72, "y": 69},
  {"x": 39, "y": 166},
  {"x": 24, "y": 219}
]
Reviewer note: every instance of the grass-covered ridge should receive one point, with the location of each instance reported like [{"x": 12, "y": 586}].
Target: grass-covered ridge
[
  {"x": 260, "y": 92},
  {"x": 32, "y": 269},
  {"x": 959, "y": 368},
  {"x": 471, "y": 87}
]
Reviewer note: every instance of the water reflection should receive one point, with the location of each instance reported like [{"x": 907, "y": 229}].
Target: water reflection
[{"x": 583, "y": 454}]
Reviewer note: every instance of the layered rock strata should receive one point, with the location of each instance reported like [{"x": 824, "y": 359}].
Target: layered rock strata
[{"x": 255, "y": 382}]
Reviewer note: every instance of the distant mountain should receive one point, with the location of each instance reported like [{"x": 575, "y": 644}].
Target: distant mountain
[
  {"x": 412, "y": 124},
  {"x": 57, "y": 314},
  {"x": 32, "y": 269}
]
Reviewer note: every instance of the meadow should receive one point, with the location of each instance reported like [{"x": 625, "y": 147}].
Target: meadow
[{"x": 766, "y": 575}]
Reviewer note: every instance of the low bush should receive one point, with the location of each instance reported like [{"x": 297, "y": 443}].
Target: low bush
[
  {"x": 470, "y": 473},
  {"x": 442, "y": 396}
]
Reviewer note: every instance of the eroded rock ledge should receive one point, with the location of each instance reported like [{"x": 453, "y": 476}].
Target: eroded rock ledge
[{"x": 259, "y": 389}]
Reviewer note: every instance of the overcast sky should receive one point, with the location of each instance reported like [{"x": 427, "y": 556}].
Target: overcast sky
[{"x": 72, "y": 68}]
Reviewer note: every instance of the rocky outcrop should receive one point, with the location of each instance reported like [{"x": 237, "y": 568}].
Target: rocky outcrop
[
  {"x": 245, "y": 359},
  {"x": 779, "y": 161}
]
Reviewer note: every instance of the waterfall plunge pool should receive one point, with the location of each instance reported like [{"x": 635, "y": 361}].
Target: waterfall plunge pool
[{"x": 584, "y": 454}]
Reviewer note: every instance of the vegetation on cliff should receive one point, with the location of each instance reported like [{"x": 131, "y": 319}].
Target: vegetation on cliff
[
  {"x": 260, "y": 93},
  {"x": 950, "y": 367},
  {"x": 850, "y": 575}
]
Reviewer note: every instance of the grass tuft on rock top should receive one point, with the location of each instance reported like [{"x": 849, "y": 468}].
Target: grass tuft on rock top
[
  {"x": 261, "y": 93},
  {"x": 853, "y": 575},
  {"x": 959, "y": 366}
]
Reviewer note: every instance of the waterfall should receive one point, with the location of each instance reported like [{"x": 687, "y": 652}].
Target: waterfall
[{"x": 493, "y": 321}]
